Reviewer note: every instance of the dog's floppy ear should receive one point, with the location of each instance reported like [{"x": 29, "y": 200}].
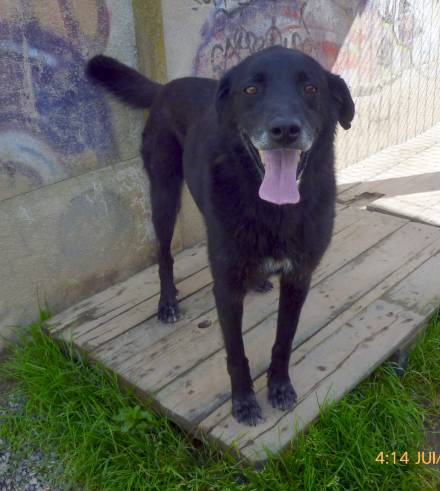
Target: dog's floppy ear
[
  {"x": 223, "y": 89},
  {"x": 342, "y": 98}
]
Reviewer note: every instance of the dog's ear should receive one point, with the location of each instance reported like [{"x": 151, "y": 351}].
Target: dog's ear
[
  {"x": 223, "y": 89},
  {"x": 341, "y": 96}
]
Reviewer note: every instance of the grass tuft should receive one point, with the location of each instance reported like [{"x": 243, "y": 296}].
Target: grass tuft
[{"x": 107, "y": 439}]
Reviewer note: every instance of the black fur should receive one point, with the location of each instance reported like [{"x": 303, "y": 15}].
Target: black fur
[
  {"x": 129, "y": 85},
  {"x": 202, "y": 130}
]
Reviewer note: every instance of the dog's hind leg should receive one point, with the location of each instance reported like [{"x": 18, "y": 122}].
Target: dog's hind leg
[{"x": 163, "y": 162}]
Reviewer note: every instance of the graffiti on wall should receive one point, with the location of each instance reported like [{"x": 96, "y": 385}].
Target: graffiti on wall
[
  {"x": 370, "y": 42},
  {"x": 48, "y": 110},
  {"x": 237, "y": 29},
  {"x": 390, "y": 37}
]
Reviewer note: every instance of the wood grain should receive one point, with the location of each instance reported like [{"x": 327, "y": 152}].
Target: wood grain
[
  {"x": 301, "y": 349},
  {"x": 198, "y": 392},
  {"x": 121, "y": 297},
  {"x": 327, "y": 370},
  {"x": 189, "y": 344}
]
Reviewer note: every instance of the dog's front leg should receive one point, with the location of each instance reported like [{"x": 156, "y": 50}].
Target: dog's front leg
[
  {"x": 229, "y": 302},
  {"x": 293, "y": 292}
]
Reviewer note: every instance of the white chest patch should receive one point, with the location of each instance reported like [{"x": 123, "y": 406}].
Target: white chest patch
[{"x": 276, "y": 266}]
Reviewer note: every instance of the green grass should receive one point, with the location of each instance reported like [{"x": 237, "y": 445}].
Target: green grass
[{"x": 108, "y": 440}]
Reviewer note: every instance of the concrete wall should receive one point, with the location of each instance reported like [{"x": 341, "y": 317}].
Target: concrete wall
[{"x": 74, "y": 211}]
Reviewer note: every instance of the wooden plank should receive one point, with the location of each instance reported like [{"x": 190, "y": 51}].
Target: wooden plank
[
  {"x": 142, "y": 286},
  {"x": 331, "y": 368},
  {"x": 345, "y": 216},
  {"x": 367, "y": 229},
  {"x": 420, "y": 291},
  {"x": 136, "y": 360},
  {"x": 195, "y": 394},
  {"x": 144, "y": 310},
  {"x": 348, "y": 359},
  {"x": 123, "y": 296},
  {"x": 145, "y": 334},
  {"x": 301, "y": 349},
  {"x": 123, "y": 306},
  {"x": 419, "y": 206},
  {"x": 416, "y": 170},
  {"x": 309, "y": 372},
  {"x": 115, "y": 311},
  {"x": 187, "y": 347}
]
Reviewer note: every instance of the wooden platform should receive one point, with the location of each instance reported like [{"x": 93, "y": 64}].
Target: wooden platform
[{"x": 374, "y": 290}]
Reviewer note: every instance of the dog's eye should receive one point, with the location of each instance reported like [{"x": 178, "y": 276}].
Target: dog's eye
[
  {"x": 310, "y": 89},
  {"x": 251, "y": 90}
]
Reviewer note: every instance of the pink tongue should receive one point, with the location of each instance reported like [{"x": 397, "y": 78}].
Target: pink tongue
[{"x": 279, "y": 182}]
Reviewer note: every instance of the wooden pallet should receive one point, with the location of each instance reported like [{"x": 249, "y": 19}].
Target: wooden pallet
[{"x": 372, "y": 292}]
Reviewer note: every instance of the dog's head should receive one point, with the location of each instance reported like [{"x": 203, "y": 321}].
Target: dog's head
[{"x": 281, "y": 100}]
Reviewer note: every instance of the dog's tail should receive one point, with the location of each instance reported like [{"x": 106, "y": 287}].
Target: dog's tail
[{"x": 122, "y": 81}]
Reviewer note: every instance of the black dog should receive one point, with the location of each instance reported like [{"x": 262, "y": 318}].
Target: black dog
[{"x": 256, "y": 150}]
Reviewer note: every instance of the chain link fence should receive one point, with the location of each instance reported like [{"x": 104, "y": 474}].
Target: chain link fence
[
  {"x": 387, "y": 50},
  {"x": 390, "y": 59}
]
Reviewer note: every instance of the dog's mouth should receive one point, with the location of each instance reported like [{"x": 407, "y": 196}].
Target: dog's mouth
[
  {"x": 281, "y": 170},
  {"x": 281, "y": 180}
]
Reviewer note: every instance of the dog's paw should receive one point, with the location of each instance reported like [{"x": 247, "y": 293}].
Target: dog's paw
[
  {"x": 282, "y": 395},
  {"x": 168, "y": 312},
  {"x": 246, "y": 410},
  {"x": 263, "y": 286}
]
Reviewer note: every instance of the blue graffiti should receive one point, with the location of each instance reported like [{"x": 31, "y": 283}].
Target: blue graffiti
[{"x": 43, "y": 90}]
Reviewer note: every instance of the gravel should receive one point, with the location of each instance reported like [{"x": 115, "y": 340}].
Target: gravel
[{"x": 30, "y": 469}]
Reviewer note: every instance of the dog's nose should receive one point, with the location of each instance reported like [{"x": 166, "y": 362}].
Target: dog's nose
[{"x": 285, "y": 132}]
